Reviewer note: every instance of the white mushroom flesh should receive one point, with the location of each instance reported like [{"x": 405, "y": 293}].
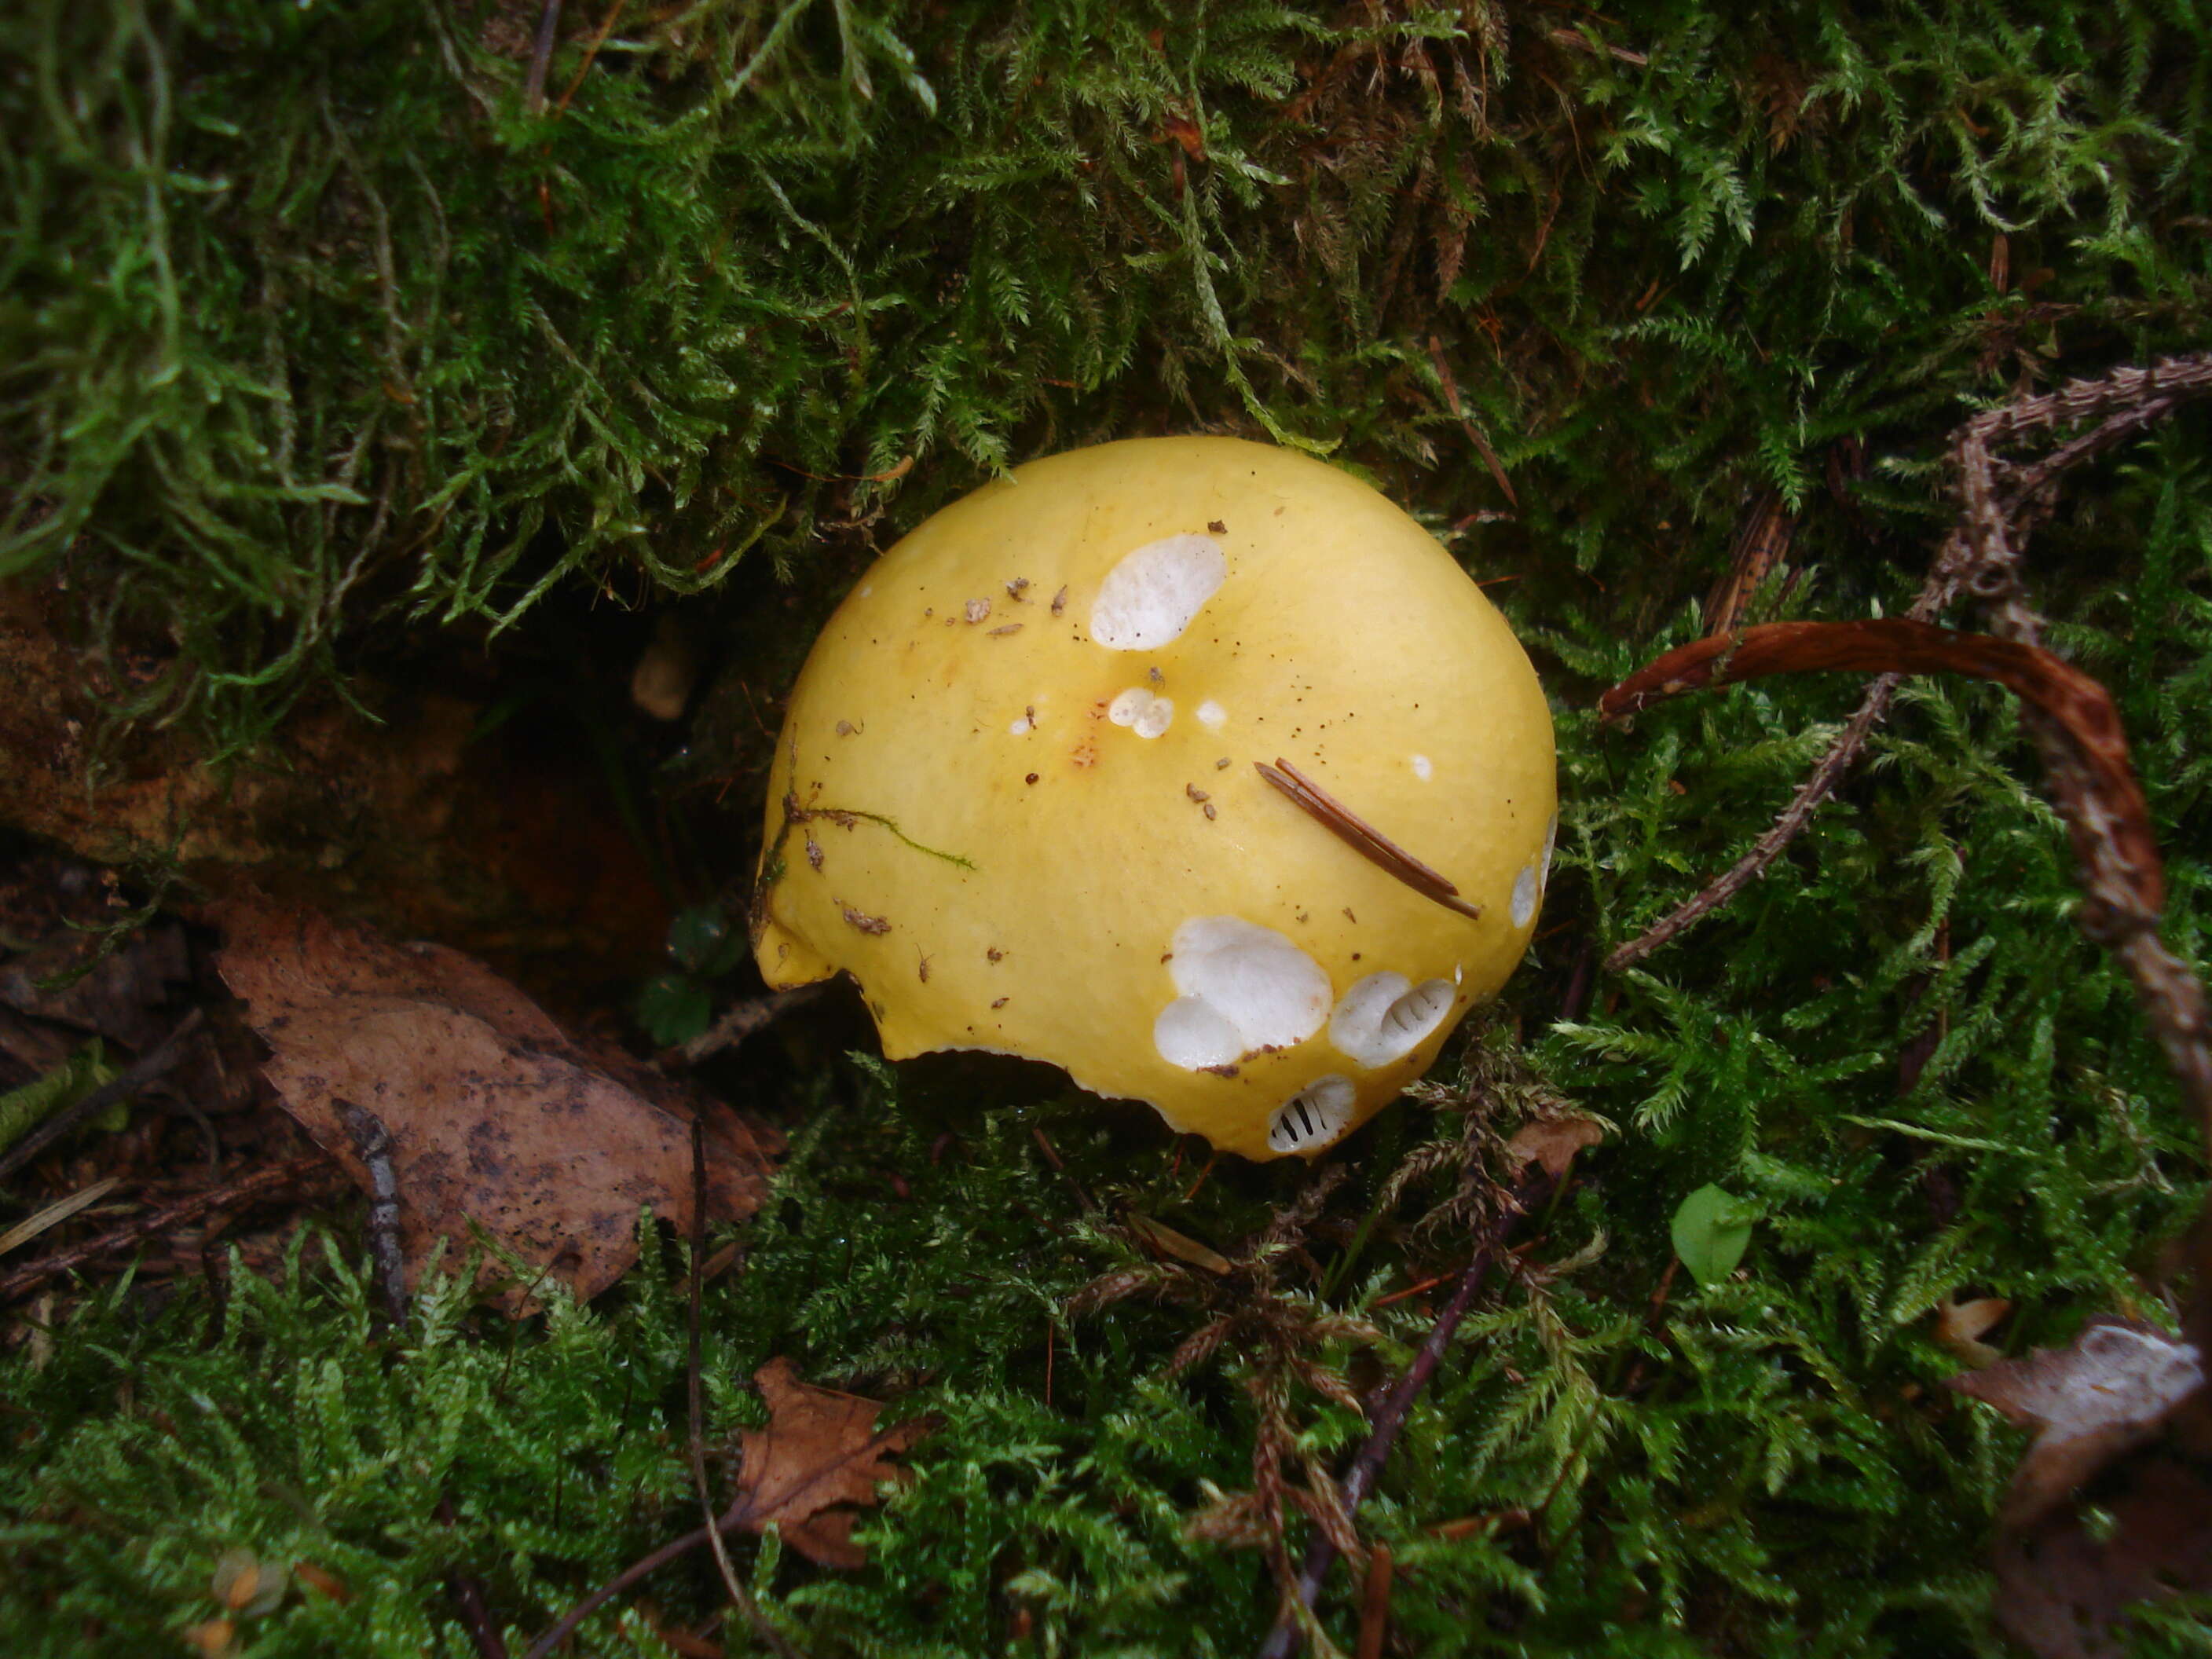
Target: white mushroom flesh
[
  {"x": 1242, "y": 987},
  {"x": 1150, "y": 597}
]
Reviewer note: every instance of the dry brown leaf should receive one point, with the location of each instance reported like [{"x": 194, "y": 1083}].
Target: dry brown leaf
[
  {"x": 2110, "y": 1392},
  {"x": 2064, "y": 1589},
  {"x": 497, "y": 1120},
  {"x": 820, "y": 1457},
  {"x": 1552, "y": 1142},
  {"x": 1961, "y": 1326}
]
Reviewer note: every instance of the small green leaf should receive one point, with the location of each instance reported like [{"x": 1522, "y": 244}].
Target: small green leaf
[
  {"x": 673, "y": 1008},
  {"x": 1711, "y": 1230}
]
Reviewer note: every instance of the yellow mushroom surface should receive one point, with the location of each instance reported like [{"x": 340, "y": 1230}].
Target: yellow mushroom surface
[{"x": 1190, "y": 765}]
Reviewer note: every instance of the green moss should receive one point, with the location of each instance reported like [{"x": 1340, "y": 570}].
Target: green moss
[
  {"x": 297, "y": 350},
  {"x": 311, "y": 322}
]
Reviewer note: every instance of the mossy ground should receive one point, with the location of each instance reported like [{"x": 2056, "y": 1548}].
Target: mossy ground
[{"x": 315, "y": 334}]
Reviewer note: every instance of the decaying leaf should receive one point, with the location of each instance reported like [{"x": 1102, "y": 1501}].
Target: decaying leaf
[
  {"x": 497, "y": 1120},
  {"x": 119, "y": 997},
  {"x": 1551, "y": 1143},
  {"x": 820, "y": 1458},
  {"x": 2065, "y": 1584},
  {"x": 2111, "y": 1506},
  {"x": 2110, "y": 1392},
  {"x": 1961, "y": 1326}
]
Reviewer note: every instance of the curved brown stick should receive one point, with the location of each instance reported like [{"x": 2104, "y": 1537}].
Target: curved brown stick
[
  {"x": 2004, "y": 501},
  {"x": 1362, "y": 837},
  {"x": 2118, "y": 844}
]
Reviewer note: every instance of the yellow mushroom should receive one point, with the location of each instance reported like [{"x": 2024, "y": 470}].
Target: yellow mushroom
[{"x": 1190, "y": 765}]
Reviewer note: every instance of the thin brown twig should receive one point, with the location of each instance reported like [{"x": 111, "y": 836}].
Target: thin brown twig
[
  {"x": 541, "y": 57},
  {"x": 696, "y": 1410},
  {"x": 247, "y": 1189},
  {"x": 1362, "y": 837},
  {"x": 373, "y": 1142},
  {"x": 591, "y": 56},
  {"x": 1375, "y": 1604},
  {"x": 1995, "y": 495},
  {"x": 156, "y": 1061},
  {"x": 1467, "y": 425},
  {"x": 2112, "y": 830},
  {"x": 643, "y": 1568},
  {"x": 467, "y": 1592},
  {"x": 2105, "y": 816},
  {"x": 729, "y": 1519},
  {"x": 1753, "y": 865},
  {"x": 1390, "y": 1416},
  {"x": 753, "y": 1014}
]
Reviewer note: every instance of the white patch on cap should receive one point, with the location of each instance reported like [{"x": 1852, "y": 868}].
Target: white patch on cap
[
  {"x": 1242, "y": 987},
  {"x": 1188, "y": 1033},
  {"x": 1150, "y": 597},
  {"x": 1022, "y": 726},
  {"x": 1144, "y": 712},
  {"x": 1314, "y": 1117},
  {"x": 1551, "y": 839},
  {"x": 1385, "y": 1016},
  {"x": 1424, "y": 768},
  {"x": 1524, "y": 895},
  {"x": 1212, "y": 715}
]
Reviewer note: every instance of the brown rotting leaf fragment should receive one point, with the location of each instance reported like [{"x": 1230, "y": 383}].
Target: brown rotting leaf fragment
[
  {"x": 820, "y": 1458},
  {"x": 497, "y": 1120},
  {"x": 1550, "y": 1143}
]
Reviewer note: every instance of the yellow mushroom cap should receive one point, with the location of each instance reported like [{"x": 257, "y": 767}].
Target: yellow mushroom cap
[{"x": 1022, "y": 791}]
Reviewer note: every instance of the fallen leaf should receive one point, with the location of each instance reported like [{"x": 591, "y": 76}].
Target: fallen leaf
[
  {"x": 1552, "y": 1143},
  {"x": 2065, "y": 1584},
  {"x": 497, "y": 1120},
  {"x": 212, "y": 1638},
  {"x": 820, "y": 1457},
  {"x": 1960, "y": 1326},
  {"x": 2110, "y": 1392}
]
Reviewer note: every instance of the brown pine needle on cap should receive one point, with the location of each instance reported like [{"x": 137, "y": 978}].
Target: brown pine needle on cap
[{"x": 1362, "y": 837}]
